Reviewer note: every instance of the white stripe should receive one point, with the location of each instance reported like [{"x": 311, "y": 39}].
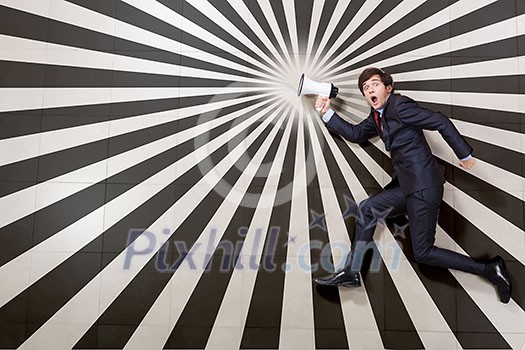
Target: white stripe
[
  {"x": 96, "y": 172},
  {"x": 229, "y": 325},
  {"x": 457, "y": 10},
  {"x": 354, "y": 301},
  {"x": 211, "y": 12},
  {"x": 510, "y": 140},
  {"x": 64, "y": 11},
  {"x": 72, "y": 238},
  {"x": 289, "y": 13},
  {"x": 500, "y": 178},
  {"x": 364, "y": 11},
  {"x": 489, "y": 222},
  {"x": 317, "y": 10},
  {"x": 514, "y": 103},
  {"x": 422, "y": 310},
  {"x": 486, "y": 220},
  {"x": 388, "y": 20},
  {"x": 29, "y": 146},
  {"x": 339, "y": 10},
  {"x": 492, "y": 33},
  {"x": 184, "y": 280},
  {"x": 245, "y": 13},
  {"x": 171, "y": 17},
  {"x": 267, "y": 9},
  {"x": 102, "y": 290},
  {"x": 76, "y": 57},
  {"x": 297, "y": 318},
  {"x": 499, "y": 67},
  {"x": 500, "y": 102},
  {"x": 508, "y": 319},
  {"x": 36, "y": 98}
]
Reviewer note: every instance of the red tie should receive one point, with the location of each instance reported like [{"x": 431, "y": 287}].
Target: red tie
[{"x": 378, "y": 121}]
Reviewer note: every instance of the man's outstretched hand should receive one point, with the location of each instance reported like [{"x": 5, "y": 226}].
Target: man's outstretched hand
[
  {"x": 322, "y": 104},
  {"x": 467, "y": 164}
]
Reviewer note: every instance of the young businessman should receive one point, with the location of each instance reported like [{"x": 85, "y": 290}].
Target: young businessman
[{"x": 417, "y": 182}]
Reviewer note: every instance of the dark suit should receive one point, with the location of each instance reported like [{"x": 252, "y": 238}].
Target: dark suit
[{"x": 416, "y": 188}]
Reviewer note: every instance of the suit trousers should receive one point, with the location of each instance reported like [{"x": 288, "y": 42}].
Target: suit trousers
[{"x": 422, "y": 208}]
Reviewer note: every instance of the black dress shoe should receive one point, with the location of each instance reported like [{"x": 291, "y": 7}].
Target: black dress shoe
[
  {"x": 496, "y": 273},
  {"x": 340, "y": 278}
]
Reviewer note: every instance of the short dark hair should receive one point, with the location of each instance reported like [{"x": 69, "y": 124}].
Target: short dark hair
[{"x": 368, "y": 73}]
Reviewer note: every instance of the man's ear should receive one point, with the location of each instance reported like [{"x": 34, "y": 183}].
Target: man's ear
[{"x": 389, "y": 88}]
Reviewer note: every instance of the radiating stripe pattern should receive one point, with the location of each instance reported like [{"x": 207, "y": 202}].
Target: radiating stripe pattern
[{"x": 164, "y": 187}]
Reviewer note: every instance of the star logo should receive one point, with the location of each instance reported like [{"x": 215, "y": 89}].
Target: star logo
[
  {"x": 378, "y": 216},
  {"x": 351, "y": 208},
  {"x": 399, "y": 231},
  {"x": 318, "y": 220},
  {"x": 291, "y": 239}
]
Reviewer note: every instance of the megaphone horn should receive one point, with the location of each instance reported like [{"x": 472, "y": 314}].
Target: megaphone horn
[{"x": 310, "y": 87}]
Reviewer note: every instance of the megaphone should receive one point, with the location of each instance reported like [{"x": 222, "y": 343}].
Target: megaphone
[{"x": 310, "y": 87}]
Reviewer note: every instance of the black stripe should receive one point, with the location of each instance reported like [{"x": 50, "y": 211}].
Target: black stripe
[
  {"x": 326, "y": 17},
  {"x": 136, "y": 17},
  {"x": 500, "y": 49},
  {"x": 369, "y": 22},
  {"x": 26, "y": 173},
  {"x": 395, "y": 326},
  {"x": 503, "y": 120},
  {"x": 50, "y": 293},
  {"x": 263, "y": 322},
  {"x": 504, "y": 204},
  {"x": 414, "y": 17},
  {"x": 303, "y": 14},
  {"x": 18, "y": 74},
  {"x": 330, "y": 331},
  {"x": 18, "y": 123},
  {"x": 201, "y": 310},
  {"x": 35, "y": 27},
  {"x": 150, "y": 281},
  {"x": 108, "y": 8},
  {"x": 258, "y": 14},
  {"x": 46, "y": 167},
  {"x": 69, "y": 35},
  {"x": 346, "y": 18},
  {"x": 503, "y": 158},
  {"x": 494, "y": 84},
  {"x": 200, "y": 19},
  {"x": 475, "y": 243},
  {"x": 448, "y": 295},
  {"x": 32, "y": 75},
  {"x": 231, "y": 14},
  {"x": 495, "y": 12},
  {"x": 278, "y": 10},
  {"x": 10, "y": 236},
  {"x": 469, "y": 324},
  {"x": 29, "y": 121},
  {"x": 480, "y": 246}
]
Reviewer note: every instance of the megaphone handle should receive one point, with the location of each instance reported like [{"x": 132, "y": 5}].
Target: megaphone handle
[{"x": 318, "y": 109}]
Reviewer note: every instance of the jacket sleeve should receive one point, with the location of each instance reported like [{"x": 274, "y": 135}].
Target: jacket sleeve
[
  {"x": 413, "y": 115},
  {"x": 358, "y": 133}
]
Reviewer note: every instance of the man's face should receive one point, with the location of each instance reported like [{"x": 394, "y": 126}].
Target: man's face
[{"x": 376, "y": 92}]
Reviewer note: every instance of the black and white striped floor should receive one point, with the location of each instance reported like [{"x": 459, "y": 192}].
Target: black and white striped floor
[{"x": 163, "y": 187}]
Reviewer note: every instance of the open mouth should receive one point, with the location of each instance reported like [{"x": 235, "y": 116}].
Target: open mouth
[{"x": 374, "y": 99}]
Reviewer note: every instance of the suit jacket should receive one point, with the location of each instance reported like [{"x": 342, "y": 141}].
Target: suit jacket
[{"x": 415, "y": 167}]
